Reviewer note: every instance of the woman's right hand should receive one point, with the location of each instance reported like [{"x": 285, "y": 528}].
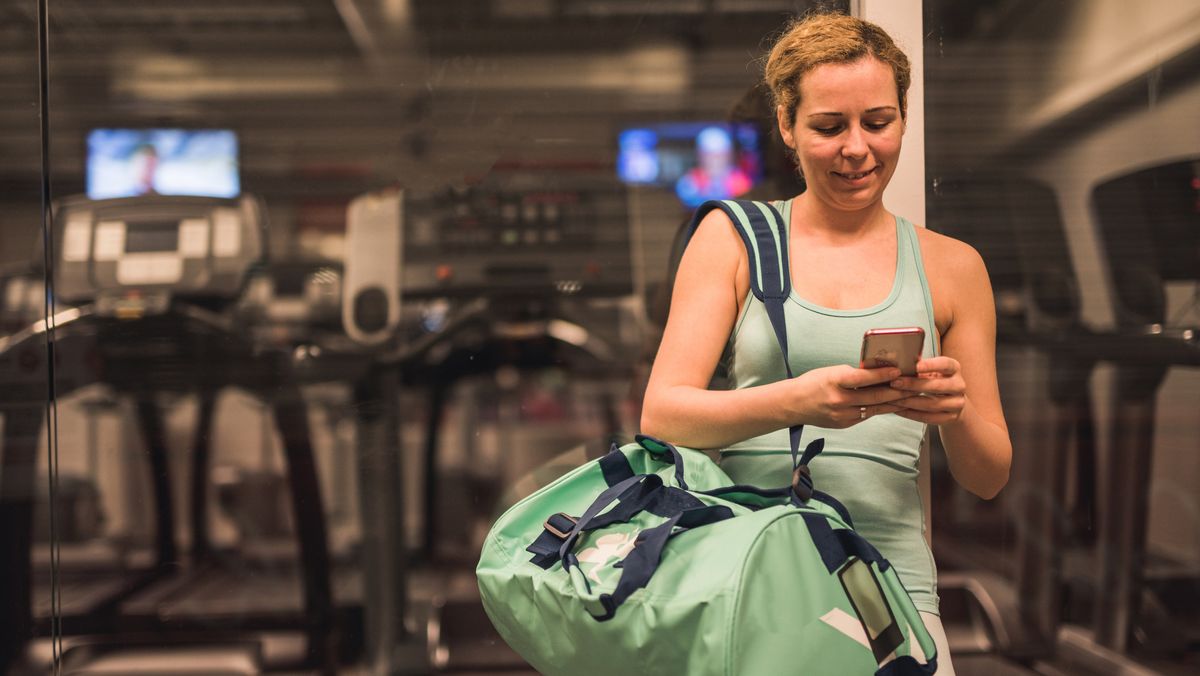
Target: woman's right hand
[{"x": 838, "y": 397}]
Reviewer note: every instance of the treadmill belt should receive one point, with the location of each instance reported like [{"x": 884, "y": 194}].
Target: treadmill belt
[
  {"x": 270, "y": 595},
  {"x": 79, "y": 593}
]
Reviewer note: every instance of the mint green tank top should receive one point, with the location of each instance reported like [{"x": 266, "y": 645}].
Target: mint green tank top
[{"x": 871, "y": 467}]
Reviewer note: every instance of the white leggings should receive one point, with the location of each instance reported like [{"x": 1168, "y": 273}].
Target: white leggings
[{"x": 933, "y": 624}]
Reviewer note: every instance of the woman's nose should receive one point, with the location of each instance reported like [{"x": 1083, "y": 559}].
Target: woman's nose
[{"x": 855, "y": 145}]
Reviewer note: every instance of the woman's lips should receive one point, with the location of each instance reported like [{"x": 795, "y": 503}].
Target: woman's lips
[{"x": 855, "y": 177}]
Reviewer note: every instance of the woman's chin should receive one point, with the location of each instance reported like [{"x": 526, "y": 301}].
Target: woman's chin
[{"x": 854, "y": 201}]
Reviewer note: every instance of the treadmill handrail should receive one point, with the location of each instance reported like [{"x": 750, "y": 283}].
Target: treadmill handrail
[{"x": 57, "y": 320}]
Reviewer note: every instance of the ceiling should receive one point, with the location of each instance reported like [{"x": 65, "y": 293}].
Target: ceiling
[
  {"x": 330, "y": 97},
  {"x": 347, "y": 91}
]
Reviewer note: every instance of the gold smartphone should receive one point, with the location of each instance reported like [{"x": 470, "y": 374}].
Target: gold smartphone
[{"x": 893, "y": 347}]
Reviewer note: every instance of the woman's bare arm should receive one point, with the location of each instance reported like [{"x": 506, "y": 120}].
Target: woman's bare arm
[{"x": 966, "y": 402}]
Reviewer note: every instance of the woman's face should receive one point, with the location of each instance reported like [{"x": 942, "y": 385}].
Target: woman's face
[{"x": 846, "y": 132}]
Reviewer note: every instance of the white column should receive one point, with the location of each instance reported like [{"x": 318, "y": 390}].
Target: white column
[
  {"x": 905, "y": 195},
  {"x": 902, "y": 20}
]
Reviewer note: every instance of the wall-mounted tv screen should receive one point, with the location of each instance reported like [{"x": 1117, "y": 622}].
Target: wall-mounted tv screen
[
  {"x": 697, "y": 160},
  {"x": 130, "y": 162}
]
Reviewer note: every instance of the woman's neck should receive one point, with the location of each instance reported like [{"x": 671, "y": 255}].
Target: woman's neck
[{"x": 813, "y": 216}]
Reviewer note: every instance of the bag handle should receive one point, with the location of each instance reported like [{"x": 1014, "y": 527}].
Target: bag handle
[
  {"x": 643, "y": 560},
  {"x": 633, "y": 495},
  {"x": 658, "y": 448}
]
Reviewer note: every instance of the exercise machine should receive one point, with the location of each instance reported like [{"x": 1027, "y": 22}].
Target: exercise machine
[
  {"x": 518, "y": 272},
  {"x": 1036, "y": 610},
  {"x": 153, "y": 280}
]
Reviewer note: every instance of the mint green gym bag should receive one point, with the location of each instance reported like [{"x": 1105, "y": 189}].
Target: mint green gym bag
[{"x": 650, "y": 560}]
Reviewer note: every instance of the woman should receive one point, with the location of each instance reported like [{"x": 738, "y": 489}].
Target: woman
[{"x": 839, "y": 86}]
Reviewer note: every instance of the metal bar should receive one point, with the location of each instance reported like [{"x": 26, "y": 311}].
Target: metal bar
[
  {"x": 201, "y": 453},
  {"x": 150, "y": 421},
  {"x": 1122, "y": 542},
  {"x": 291, "y": 418}
]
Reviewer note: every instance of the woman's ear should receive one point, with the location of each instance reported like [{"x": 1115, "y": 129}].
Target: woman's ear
[{"x": 785, "y": 126}]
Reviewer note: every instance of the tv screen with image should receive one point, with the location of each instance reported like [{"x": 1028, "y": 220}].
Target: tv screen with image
[
  {"x": 131, "y": 162},
  {"x": 697, "y": 160}
]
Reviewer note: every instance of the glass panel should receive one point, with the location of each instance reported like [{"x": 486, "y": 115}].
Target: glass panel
[
  {"x": 339, "y": 281},
  {"x": 345, "y": 278},
  {"x": 25, "y": 521},
  {"x": 1062, "y": 146}
]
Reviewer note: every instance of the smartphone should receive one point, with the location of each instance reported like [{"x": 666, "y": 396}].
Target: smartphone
[{"x": 893, "y": 347}]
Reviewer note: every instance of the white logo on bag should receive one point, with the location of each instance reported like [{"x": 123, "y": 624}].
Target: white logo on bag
[{"x": 613, "y": 545}]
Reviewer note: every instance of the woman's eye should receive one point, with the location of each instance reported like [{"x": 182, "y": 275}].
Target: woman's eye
[
  {"x": 878, "y": 125},
  {"x": 827, "y": 130}
]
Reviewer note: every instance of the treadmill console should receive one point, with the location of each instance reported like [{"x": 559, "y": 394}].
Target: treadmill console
[
  {"x": 543, "y": 237},
  {"x": 156, "y": 247},
  {"x": 1149, "y": 226}
]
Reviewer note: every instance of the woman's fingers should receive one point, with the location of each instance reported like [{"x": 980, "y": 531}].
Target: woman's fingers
[
  {"x": 865, "y": 387},
  {"x": 929, "y": 418},
  {"x": 936, "y": 386},
  {"x": 936, "y": 395},
  {"x": 935, "y": 367},
  {"x": 938, "y": 409},
  {"x": 937, "y": 376},
  {"x": 851, "y": 378},
  {"x": 852, "y": 415},
  {"x": 948, "y": 402}
]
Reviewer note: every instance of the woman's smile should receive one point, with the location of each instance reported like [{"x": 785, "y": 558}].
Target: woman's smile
[{"x": 856, "y": 178}]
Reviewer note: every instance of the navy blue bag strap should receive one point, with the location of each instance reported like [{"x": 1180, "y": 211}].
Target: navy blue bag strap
[
  {"x": 642, "y": 492},
  {"x": 764, "y": 233},
  {"x": 907, "y": 665},
  {"x": 656, "y": 447},
  {"x": 628, "y": 491},
  {"x": 616, "y": 468},
  {"x": 638, "y": 496},
  {"x": 643, "y": 560}
]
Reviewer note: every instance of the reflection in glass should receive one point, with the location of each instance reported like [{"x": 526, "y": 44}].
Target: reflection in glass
[
  {"x": 421, "y": 269},
  {"x": 1054, "y": 151}
]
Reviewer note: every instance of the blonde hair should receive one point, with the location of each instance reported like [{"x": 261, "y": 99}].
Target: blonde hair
[{"x": 817, "y": 39}]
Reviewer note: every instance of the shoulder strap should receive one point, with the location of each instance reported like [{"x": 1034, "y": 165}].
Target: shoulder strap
[{"x": 764, "y": 232}]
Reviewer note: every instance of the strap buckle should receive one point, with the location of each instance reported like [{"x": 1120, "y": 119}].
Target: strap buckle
[
  {"x": 802, "y": 484},
  {"x": 554, "y": 530}
]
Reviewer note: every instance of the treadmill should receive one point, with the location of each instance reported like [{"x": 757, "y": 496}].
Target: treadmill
[
  {"x": 153, "y": 279},
  {"x": 1002, "y": 559},
  {"x": 522, "y": 270},
  {"x": 1057, "y": 533},
  {"x": 1146, "y": 604}
]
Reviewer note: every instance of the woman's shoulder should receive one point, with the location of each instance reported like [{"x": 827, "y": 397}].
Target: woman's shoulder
[
  {"x": 948, "y": 257},
  {"x": 957, "y": 277},
  {"x": 715, "y": 238},
  {"x": 714, "y": 259}
]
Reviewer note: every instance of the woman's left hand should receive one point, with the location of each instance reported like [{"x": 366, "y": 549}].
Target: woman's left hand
[{"x": 938, "y": 392}]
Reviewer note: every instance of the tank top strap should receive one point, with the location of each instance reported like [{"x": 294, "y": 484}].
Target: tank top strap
[{"x": 909, "y": 251}]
